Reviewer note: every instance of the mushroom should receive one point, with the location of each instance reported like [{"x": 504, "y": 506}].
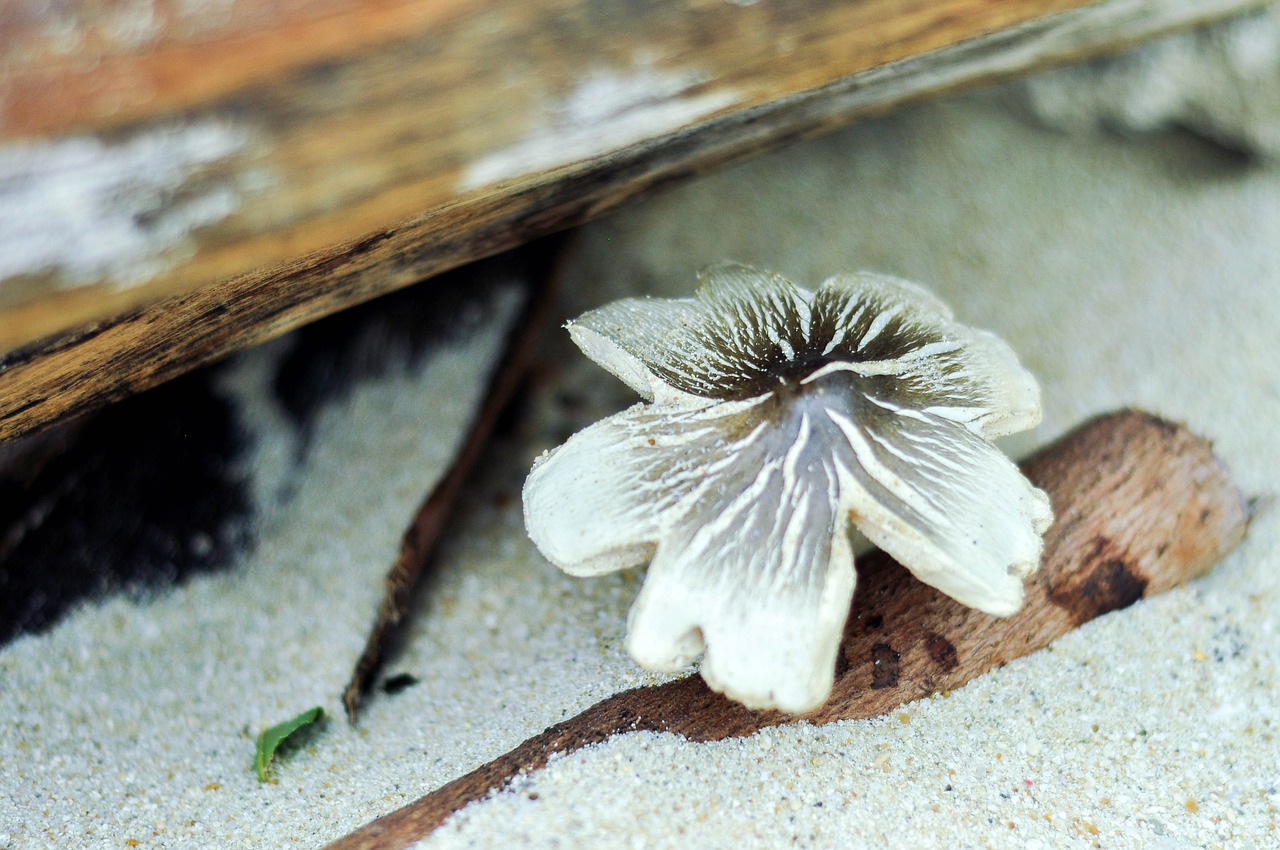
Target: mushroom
[{"x": 774, "y": 417}]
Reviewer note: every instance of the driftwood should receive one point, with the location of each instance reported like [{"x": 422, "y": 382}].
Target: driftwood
[
  {"x": 429, "y": 522},
  {"x": 1142, "y": 505},
  {"x": 213, "y": 180}
]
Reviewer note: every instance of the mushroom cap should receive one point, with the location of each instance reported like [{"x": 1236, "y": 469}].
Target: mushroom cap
[{"x": 774, "y": 417}]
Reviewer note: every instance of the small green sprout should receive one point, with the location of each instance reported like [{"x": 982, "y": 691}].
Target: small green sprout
[{"x": 272, "y": 738}]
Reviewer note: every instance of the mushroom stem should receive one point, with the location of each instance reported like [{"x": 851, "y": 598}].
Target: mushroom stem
[{"x": 1142, "y": 505}]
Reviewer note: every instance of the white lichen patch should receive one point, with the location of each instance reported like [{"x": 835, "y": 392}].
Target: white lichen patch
[
  {"x": 605, "y": 111},
  {"x": 774, "y": 418},
  {"x": 83, "y": 210}
]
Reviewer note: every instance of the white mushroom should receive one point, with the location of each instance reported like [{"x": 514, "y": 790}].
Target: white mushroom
[{"x": 773, "y": 417}]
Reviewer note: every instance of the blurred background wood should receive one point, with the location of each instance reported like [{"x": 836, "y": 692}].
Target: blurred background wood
[{"x": 178, "y": 181}]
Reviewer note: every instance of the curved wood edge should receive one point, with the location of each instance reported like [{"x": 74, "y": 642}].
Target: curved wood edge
[
  {"x": 99, "y": 362},
  {"x": 1142, "y": 505}
]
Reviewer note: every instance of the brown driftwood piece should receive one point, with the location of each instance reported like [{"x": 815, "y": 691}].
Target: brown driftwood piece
[
  {"x": 316, "y": 154},
  {"x": 1142, "y": 505},
  {"x": 428, "y": 524}
]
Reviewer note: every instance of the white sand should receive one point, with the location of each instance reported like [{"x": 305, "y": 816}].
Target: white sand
[{"x": 1123, "y": 272}]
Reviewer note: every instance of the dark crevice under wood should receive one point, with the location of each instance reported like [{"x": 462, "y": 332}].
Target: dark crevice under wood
[
  {"x": 1141, "y": 506},
  {"x": 420, "y": 539}
]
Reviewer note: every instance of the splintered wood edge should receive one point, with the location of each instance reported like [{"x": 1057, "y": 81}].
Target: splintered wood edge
[
  {"x": 433, "y": 514},
  {"x": 1141, "y": 505},
  {"x": 74, "y": 371}
]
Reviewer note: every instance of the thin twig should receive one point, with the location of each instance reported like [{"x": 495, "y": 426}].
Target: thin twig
[{"x": 428, "y": 524}]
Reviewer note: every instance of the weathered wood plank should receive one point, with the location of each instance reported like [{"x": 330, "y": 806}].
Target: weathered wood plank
[
  {"x": 176, "y": 204},
  {"x": 287, "y": 139}
]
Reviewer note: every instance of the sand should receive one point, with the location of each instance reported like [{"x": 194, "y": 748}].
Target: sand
[{"x": 1124, "y": 271}]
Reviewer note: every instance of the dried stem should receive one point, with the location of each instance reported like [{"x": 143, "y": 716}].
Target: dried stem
[{"x": 428, "y": 524}]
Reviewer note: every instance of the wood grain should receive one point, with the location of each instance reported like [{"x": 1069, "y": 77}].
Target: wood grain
[
  {"x": 1141, "y": 506},
  {"x": 177, "y": 197}
]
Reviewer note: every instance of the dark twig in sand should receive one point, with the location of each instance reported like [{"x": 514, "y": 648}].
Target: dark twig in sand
[{"x": 428, "y": 524}]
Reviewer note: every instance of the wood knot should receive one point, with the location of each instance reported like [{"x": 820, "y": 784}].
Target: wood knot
[
  {"x": 942, "y": 651},
  {"x": 1105, "y": 582},
  {"x": 884, "y": 666}
]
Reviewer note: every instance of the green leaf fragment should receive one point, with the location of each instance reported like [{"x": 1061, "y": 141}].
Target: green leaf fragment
[{"x": 270, "y": 739}]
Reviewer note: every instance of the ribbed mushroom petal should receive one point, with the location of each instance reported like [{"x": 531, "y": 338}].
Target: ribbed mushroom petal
[
  {"x": 601, "y": 501},
  {"x": 633, "y": 337},
  {"x": 597, "y": 466},
  {"x": 945, "y": 503},
  {"x": 759, "y": 573},
  {"x": 947, "y": 369},
  {"x": 722, "y": 344}
]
